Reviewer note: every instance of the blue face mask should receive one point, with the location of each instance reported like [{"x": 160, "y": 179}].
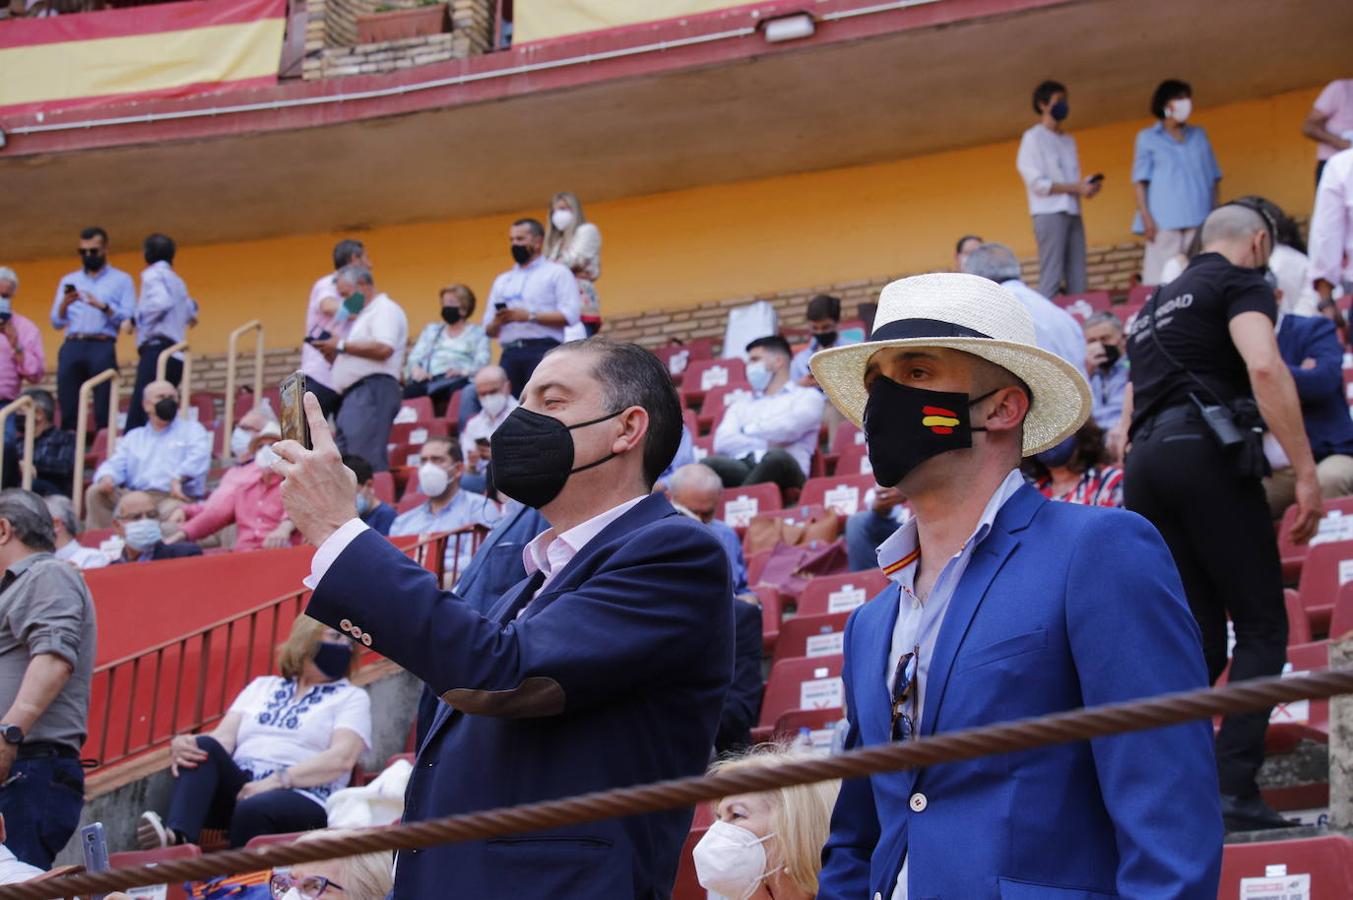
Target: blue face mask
[
  {"x": 363, "y": 505},
  {"x": 1060, "y": 455},
  {"x": 142, "y": 534}
]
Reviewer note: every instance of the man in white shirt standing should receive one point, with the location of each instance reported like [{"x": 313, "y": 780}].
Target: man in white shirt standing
[
  {"x": 530, "y": 304},
  {"x": 771, "y": 435},
  {"x": 325, "y": 318},
  {"x": 1331, "y": 243},
  {"x": 495, "y": 405},
  {"x": 366, "y": 366},
  {"x": 1048, "y": 163}
]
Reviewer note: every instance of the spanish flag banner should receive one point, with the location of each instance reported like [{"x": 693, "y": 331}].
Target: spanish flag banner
[{"x": 162, "y": 50}]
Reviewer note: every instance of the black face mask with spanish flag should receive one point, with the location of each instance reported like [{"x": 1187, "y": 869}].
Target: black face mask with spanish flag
[{"x": 904, "y": 426}]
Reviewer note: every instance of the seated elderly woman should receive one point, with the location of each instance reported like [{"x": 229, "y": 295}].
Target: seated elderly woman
[
  {"x": 766, "y": 846},
  {"x": 286, "y": 743},
  {"x": 366, "y": 877}
]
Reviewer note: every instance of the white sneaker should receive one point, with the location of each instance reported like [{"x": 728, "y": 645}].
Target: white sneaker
[{"x": 150, "y": 832}]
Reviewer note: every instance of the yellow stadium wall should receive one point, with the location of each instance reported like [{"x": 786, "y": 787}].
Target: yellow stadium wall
[{"x": 686, "y": 247}]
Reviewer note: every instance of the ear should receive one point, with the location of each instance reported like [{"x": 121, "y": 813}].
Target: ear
[
  {"x": 633, "y": 427},
  {"x": 1007, "y": 410}
]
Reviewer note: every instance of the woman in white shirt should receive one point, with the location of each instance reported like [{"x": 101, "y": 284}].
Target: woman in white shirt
[
  {"x": 285, "y": 744},
  {"x": 574, "y": 242}
]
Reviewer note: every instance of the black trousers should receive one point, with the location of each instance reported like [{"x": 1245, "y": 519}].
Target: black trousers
[
  {"x": 777, "y": 467},
  {"x": 521, "y": 358},
  {"x": 1219, "y": 531},
  {"x": 145, "y": 373},
  {"x": 205, "y": 797},
  {"x": 328, "y": 397},
  {"x": 77, "y": 362}
]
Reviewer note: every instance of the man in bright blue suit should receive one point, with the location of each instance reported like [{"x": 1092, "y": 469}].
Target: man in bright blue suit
[
  {"x": 1005, "y": 606},
  {"x": 606, "y": 667}
]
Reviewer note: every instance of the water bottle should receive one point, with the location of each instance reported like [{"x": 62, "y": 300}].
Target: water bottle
[{"x": 803, "y": 743}]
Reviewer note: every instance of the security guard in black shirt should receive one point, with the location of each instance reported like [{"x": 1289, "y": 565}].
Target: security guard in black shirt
[{"x": 1206, "y": 377}]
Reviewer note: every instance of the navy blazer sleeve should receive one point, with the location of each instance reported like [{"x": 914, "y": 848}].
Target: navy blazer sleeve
[
  {"x": 855, "y": 824},
  {"x": 643, "y": 613},
  {"x": 1132, "y": 636},
  {"x": 742, "y": 703},
  {"x": 1320, "y": 342}
]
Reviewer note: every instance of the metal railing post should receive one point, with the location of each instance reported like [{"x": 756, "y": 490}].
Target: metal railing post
[
  {"x": 185, "y": 384},
  {"x": 82, "y": 430},
  {"x": 229, "y": 424},
  {"x": 24, "y": 403}
]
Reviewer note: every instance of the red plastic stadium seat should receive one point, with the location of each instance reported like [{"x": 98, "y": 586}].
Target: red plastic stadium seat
[
  {"x": 409, "y": 501},
  {"x": 205, "y": 404},
  {"x": 1336, "y": 525},
  {"x": 741, "y": 504},
  {"x": 800, "y": 683},
  {"x": 420, "y": 405},
  {"x": 1301, "y": 719},
  {"x": 687, "y": 885},
  {"x": 1320, "y": 868},
  {"x": 847, "y": 494},
  {"x": 264, "y": 840},
  {"x": 92, "y": 537},
  {"x": 173, "y": 891},
  {"x": 847, "y": 435},
  {"x": 702, "y": 446},
  {"x": 771, "y": 614},
  {"x": 716, "y": 403},
  {"x": 811, "y": 636},
  {"x": 787, "y": 726},
  {"x": 703, "y": 375},
  {"x": 405, "y": 455},
  {"x": 416, "y": 433},
  {"x": 1083, "y": 306},
  {"x": 840, "y": 593},
  {"x": 384, "y": 485},
  {"x": 797, "y": 515},
  {"x": 1341, "y": 621},
  {"x": 854, "y": 460},
  {"x": 1298, "y": 623},
  {"x": 1327, "y": 567},
  {"x": 691, "y": 421}
]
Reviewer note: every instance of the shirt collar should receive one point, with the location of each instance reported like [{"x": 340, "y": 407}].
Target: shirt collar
[
  {"x": 899, "y": 554},
  {"x": 537, "y": 557}
]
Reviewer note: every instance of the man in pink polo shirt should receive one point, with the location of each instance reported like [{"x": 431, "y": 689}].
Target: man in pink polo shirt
[
  {"x": 252, "y": 500},
  {"x": 21, "y": 356}
]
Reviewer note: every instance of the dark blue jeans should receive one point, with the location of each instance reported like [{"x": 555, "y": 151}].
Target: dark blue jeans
[
  {"x": 76, "y": 363},
  {"x": 41, "y": 803}
]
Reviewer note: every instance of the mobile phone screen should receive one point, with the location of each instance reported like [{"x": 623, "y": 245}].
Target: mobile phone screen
[{"x": 295, "y": 426}]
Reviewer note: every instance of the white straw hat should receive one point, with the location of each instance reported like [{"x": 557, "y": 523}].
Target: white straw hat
[{"x": 974, "y": 315}]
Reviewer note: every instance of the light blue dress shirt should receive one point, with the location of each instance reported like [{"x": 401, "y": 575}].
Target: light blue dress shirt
[
  {"x": 465, "y": 508},
  {"x": 540, "y": 287},
  {"x": 1182, "y": 176},
  {"x": 919, "y": 621},
  {"x": 798, "y": 366},
  {"x": 685, "y": 455},
  {"x": 732, "y": 545},
  {"x": 148, "y": 460},
  {"x": 109, "y": 285},
  {"x": 1055, "y": 329},
  {"x": 1107, "y": 390},
  {"x": 164, "y": 309}
]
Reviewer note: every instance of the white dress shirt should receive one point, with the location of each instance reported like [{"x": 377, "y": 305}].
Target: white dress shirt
[
  {"x": 482, "y": 425},
  {"x": 789, "y": 419},
  {"x": 381, "y": 320},
  {"x": 919, "y": 621},
  {"x": 82, "y": 557},
  {"x": 1055, "y": 329},
  {"x": 164, "y": 309},
  {"x": 1331, "y": 242},
  {"x": 1046, "y": 158},
  {"x": 147, "y": 459},
  {"x": 549, "y": 553}
]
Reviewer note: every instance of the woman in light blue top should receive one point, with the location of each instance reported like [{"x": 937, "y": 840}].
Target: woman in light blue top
[{"x": 448, "y": 353}]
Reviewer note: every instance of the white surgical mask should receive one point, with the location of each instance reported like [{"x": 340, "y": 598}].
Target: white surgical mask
[
  {"x": 731, "y": 861},
  {"x": 292, "y": 894},
  {"x": 493, "y": 404},
  {"x": 142, "y": 534},
  {"x": 1180, "y": 109},
  {"x": 264, "y": 457},
  {"x": 562, "y": 218},
  {"x": 759, "y": 376},
  {"x": 239, "y": 441},
  {"x": 432, "y": 480}
]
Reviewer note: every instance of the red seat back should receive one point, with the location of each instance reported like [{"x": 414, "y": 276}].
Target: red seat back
[
  {"x": 1301, "y": 719},
  {"x": 422, "y": 406},
  {"x": 687, "y": 885},
  {"x": 1298, "y": 623},
  {"x": 173, "y": 891},
  {"x": 847, "y": 435},
  {"x": 840, "y": 593},
  {"x": 854, "y": 460},
  {"x": 812, "y": 636},
  {"x": 411, "y": 499},
  {"x": 384, "y": 485},
  {"x": 847, "y": 494},
  {"x": 1335, "y": 525},
  {"x": 1327, "y": 567},
  {"x": 416, "y": 433},
  {"x": 703, "y": 375},
  {"x": 802, "y": 683},
  {"x": 265, "y": 840},
  {"x": 1083, "y": 306},
  {"x": 741, "y": 504},
  {"x": 92, "y": 537},
  {"x": 1341, "y": 620},
  {"x": 1320, "y": 868}
]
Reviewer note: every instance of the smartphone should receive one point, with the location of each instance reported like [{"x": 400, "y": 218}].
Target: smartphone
[
  {"x": 69, "y": 289},
  {"x": 95, "y": 847},
  {"x": 1097, "y": 178},
  {"x": 295, "y": 426},
  {"x": 500, "y": 305}
]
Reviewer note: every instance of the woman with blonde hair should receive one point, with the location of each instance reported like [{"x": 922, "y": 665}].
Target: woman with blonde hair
[
  {"x": 369, "y": 876},
  {"x": 286, "y": 743},
  {"x": 766, "y": 846},
  {"x": 574, "y": 242}
]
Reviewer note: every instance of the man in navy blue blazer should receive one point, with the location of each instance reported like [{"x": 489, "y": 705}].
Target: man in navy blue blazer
[
  {"x": 1004, "y": 606},
  {"x": 1310, "y": 347},
  {"x": 606, "y": 667}
]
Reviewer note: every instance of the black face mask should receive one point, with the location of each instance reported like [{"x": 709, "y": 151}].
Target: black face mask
[
  {"x": 533, "y": 456},
  {"x": 825, "y": 339},
  {"x": 904, "y": 426},
  {"x": 93, "y": 261},
  {"x": 166, "y": 409},
  {"x": 521, "y": 254},
  {"x": 1111, "y": 356},
  {"x": 333, "y": 658},
  {"x": 1060, "y": 110},
  {"x": 450, "y": 314}
]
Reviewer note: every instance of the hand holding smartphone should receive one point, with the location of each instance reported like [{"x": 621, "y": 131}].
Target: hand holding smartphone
[{"x": 295, "y": 426}]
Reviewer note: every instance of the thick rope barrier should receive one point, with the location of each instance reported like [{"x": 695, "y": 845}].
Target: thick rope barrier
[{"x": 1026, "y": 734}]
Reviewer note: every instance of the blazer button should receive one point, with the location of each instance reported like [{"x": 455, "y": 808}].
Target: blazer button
[
  {"x": 345, "y": 625},
  {"x": 918, "y": 802},
  {"x": 366, "y": 640},
  {"x": 356, "y": 633}
]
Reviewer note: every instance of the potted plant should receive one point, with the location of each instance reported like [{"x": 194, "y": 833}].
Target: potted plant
[{"x": 392, "y": 23}]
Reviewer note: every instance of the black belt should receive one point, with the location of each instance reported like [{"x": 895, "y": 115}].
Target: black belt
[
  {"x": 101, "y": 338},
  {"x": 1181, "y": 414},
  {"x": 370, "y": 377},
  {"x": 46, "y": 750},
  {"x": 530, "y": 342},
  {"x": 156, "y": 340}
]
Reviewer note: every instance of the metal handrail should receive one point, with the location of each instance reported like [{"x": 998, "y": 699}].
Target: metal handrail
[
  {"x": 235, "y": 335},
  {"x": 82, "y": 428},
  {"x": 25, "y": 403},
  {"x": 162, "y": 363}
]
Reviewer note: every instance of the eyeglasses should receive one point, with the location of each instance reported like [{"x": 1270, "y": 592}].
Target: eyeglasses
[
  {"x": 310, "y": 887},
  {"x": 905, "y": 695},
  {"x": 152, "y": 514}
]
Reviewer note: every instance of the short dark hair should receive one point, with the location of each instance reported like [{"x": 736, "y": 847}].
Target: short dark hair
[
  {"x": 1043, "y": 93},
  {"x": 632, "y": 376},
  {"x": 28, "y": 515},
  {"x": 159, "y": 248},
  {"x": 452, "y": 446},
  {"x": 1166, "y": 91},
  {"x": 958, "y": 248},
  {"x": 94, "y": 231},
  {"x": 360, "y": 467},
  {"x": 534, "y": 224},
  {"x": 346, "y": 251},
  {"x": 773, "y": 343},
  {"x": 824, "y": 306}
]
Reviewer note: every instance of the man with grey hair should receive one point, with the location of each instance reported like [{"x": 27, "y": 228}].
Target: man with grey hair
[
  {"x": 47, "y": 645},
  {"x": 66, "y": 525},
  {"x": 21, "y": 357},
  {"x": 367, "y": 363},
  {"x": 1106, "y": 367},
  {"x": 1054, "y": 327},
  {"x": 53, "y": 463}
]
